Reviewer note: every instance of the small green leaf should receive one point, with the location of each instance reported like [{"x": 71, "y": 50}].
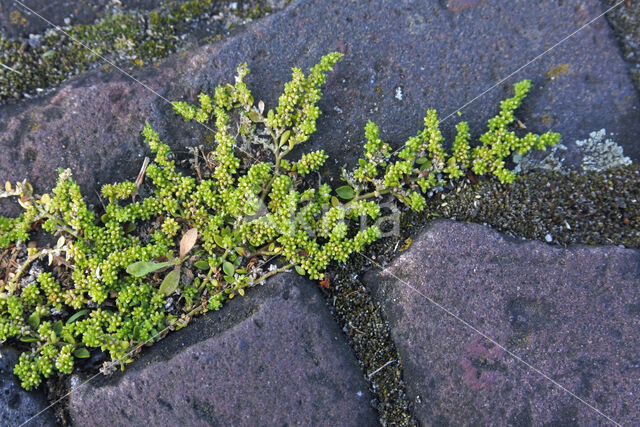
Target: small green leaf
[
  {"x": 241, "y": 292},
  {"x": 345, "y": 192},
  {"x": 300, "y": 270},
  {"x": 34, "y": 320},
  {"x": 170, "y": 282},
  {"x": 202, "y": 265},
  {"x": 57, "y": 327},
  {"x": 285, "y": 137},
  {"x": 335, "y": 202},
  {"x": 142, "y": 268},
  {"x": 229, "y": 280},
  {"x": 218, "y": 239},
  {"x": 228, "y": 268},
  {"x": 254, "y": 116},
  {"x": 28, "y": 339},
  {"x": 136, "y": 333},
  {"x": 425, "y": 166},
  {"x": 77, "y": 316},
  {"x": 421, "y": 160},
  {"x": 68, "y": 338},
  {"x": 49, "y": 54},
  {"x": 81, "y": 353},
  {"x": 270, "y": 115}
]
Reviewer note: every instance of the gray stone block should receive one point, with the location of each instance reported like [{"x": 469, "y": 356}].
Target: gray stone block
[
  {"x": 274, "y": 357},
  {"x": 572, "y": 313}
]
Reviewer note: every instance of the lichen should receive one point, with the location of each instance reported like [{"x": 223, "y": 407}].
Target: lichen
[
  {"x": 600, "y": 153},
  {"x": 597, "y": 154}
]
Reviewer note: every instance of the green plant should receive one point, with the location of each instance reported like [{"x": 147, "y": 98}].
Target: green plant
[
  {"x": 106, "y": 284},
  {"x": 423, "y": 164}
]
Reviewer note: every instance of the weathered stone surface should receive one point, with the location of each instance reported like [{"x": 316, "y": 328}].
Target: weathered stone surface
[
  {"x": 17, "y": 21},
  {"x": 433, "y": 56},
  {"x": 16, "y": 404},
  {"x": 572, "y": 313},
  {"x": 460, "y": 5},
  {"x": 274, "y": 357}
]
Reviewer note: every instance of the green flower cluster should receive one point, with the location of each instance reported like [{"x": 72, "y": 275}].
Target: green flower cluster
[
  {"x": 499, "y": 142},
  {"x": 423, "y": 164},
  {"x": 120, "y": 278}
]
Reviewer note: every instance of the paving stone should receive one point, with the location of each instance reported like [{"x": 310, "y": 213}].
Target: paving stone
[
  {"x": 572, "y": 313},
  {"x": 434, "y": 54},
  {"x": 274, "y": 357},
  {"x": 17, "y": 405}
]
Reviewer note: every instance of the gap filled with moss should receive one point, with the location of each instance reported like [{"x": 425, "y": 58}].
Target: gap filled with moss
[{"x": 128, "y": 38}]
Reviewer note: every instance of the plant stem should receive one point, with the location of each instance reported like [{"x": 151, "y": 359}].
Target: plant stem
[
  {"x": 273, "y": 273},
  {"x": 371, "y": 194},
  {"x": 12, "y": 285},
  {"x": 276, "y": 169}
]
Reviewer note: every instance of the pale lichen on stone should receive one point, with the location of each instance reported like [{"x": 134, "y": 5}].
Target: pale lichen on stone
[
  {"x": 600, "y": 153},
  {"x": 596, "y": 153}
]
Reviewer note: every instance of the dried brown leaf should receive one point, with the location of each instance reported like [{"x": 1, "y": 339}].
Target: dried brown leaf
[{"x": 188, "y": 241}]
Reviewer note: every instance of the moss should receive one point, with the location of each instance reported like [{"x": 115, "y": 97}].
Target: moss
[
  {"x": 255, "y": 11},
  {"x": 602, "y": 208},
  {"x": 596, "y": 208},
  {"x": 364, "y": 325},
  {"x": 558, "y": 70},
  {"x": 130, "y": 39}
]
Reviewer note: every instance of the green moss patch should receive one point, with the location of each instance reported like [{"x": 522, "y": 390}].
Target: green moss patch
[{"x": 131, "y": 39}]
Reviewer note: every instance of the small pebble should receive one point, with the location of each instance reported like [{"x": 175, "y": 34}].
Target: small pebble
[
  {"x": 399, "y": 93},
  {"x": 548, "y": 238}
]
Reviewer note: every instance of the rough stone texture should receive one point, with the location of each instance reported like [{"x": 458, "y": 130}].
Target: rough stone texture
[
  {"x": 16, "y": 404},
  {"x": 625, "y": 19},
  {"x": 572, "y": 313},
  {"x": 16, "y": 21},
  {"x": 436, "y": 56},
  {"x": 91, "y": 128},
  {"x": 274, "y": 357},
  {"x": 460, "y": 5}
]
